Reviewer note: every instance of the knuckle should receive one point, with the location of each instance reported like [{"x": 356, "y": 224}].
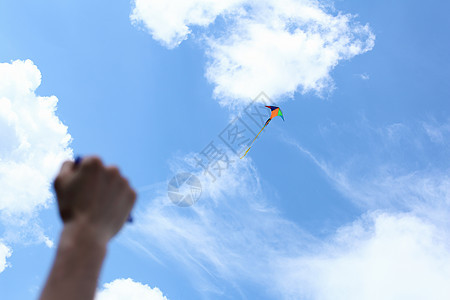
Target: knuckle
[
  {"x": 133, "y": 195},
  {"x": 124, "y": 183},
  {"x": 123, "y": 180},
  {"x": 113, "y": 171},
  {"x": 66, "y": 164},
  {"x": 92, "y": 162}
]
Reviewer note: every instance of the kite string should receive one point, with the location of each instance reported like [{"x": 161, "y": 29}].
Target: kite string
[{"x": 268, "y": 121}]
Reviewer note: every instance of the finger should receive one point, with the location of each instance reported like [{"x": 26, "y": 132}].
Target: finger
[
  {"x": 91, "y": 162},
  {"x": 126, "y": 202},
  {"x": 66, "y": 168},
  {"x": 130, "y": 201},
  {"x": 131, "y": 198},
  {"x": 113, "y": 172}
]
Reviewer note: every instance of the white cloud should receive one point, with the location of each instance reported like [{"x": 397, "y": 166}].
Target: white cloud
[
  {"x": 438, "y": 133},
  {"x": 276, "y": 46},
  {"x": 168, "y": 21},
  {"x": 34, "y": 141},
  {"x": 127, "y": 289},
  {"x": 381, "y": 256},
  {"x": 364, "y": 76},
  {"x": 401, "y": 253},
  {"x": 33, "y": 145},
  {"x": 5, "y": 252},
  {"x": 233, "y": 235},
  {"x": 379, "y": 173}
]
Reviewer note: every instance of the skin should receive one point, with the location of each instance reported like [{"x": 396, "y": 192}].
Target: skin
[{"x": 94, "y": 202}]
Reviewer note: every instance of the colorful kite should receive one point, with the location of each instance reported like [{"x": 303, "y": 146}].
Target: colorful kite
[{"x": 275, "y": 111}]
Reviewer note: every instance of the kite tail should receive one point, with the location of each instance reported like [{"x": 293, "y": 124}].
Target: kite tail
[{"x": 255, "y": 139}]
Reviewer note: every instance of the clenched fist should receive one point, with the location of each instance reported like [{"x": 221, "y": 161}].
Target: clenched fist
[{"x": 95, "y": 196}]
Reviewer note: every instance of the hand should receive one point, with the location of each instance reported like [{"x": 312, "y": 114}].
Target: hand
[{"x": 93, "y": 196}]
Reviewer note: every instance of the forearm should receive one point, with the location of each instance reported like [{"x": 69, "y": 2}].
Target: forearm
[{"x": 77, "y": 265}]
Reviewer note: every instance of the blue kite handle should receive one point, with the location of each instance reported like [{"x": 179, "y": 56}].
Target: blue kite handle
[{"x": 77, "y": 162}]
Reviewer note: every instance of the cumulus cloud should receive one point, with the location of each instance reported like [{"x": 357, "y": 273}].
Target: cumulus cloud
[
  {"x": 127, "y": 289},
  {"x": 277, "y": 46},
  {"x": 400, "y": 248},
  {"x": 381, "y": 256},
  {"x": 169, "y": 22},
  {"x": 5, "y": 252},
  {"x": 34, "y": 140}
]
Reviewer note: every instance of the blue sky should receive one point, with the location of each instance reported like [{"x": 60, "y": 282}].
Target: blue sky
[{"x": 344, "y": 198}]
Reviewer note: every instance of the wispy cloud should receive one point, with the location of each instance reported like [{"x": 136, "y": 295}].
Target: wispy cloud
[
  {"x": 231, "y": 234},
  {"x": 277, "y": 46},
  {"x": 438, "y": 133},
  {"x": 397, "y": 249},
  {"x": 34, "y": 143},
  {"x": 129, "y": 289},
  {"x": 364, "y": 76}
]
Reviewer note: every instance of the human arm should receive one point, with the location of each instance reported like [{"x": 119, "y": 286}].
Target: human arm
[{"x": 94, "y": 202}]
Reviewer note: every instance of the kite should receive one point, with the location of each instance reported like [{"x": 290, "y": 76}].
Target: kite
[{"x": 275, "y": 111}]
